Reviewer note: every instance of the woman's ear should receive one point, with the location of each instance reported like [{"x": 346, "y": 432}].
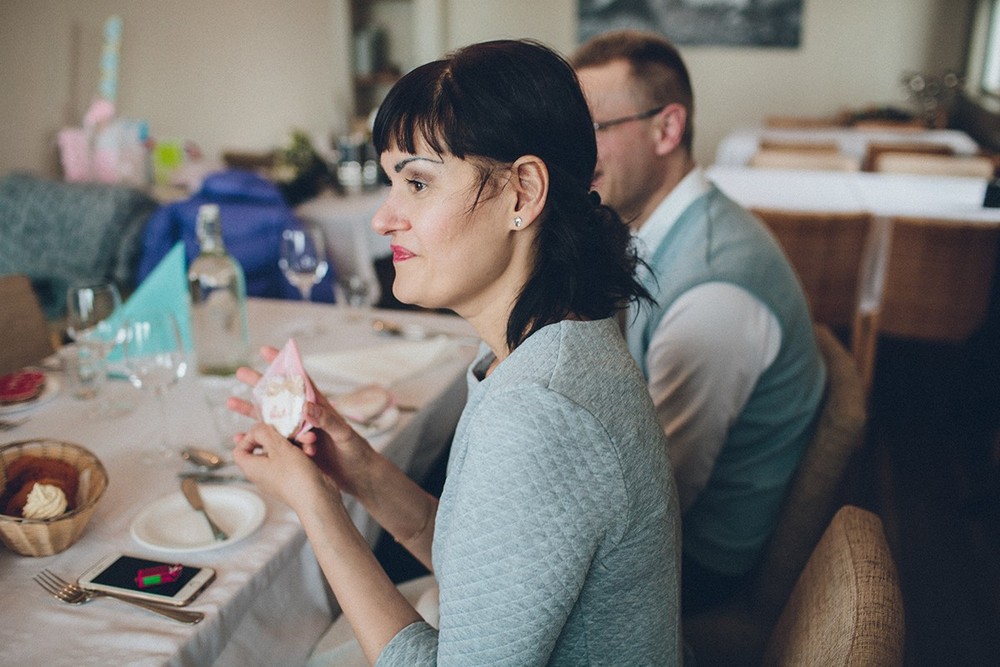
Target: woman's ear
[{"x": 530, "y": 180}]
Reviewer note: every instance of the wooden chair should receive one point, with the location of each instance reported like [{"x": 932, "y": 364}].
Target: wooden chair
[
  {"x": 876, "y": 148},
  {"x": 799, "y": 122},
  {"x": 25, "y": 337},
  {"x": 736, "y": 632},
  {"x": 938, "y": 279},
  {"x": 826, "y": 251},
  {"x": 846, "y": 607},
  {"x": 975, "y": 166},
  {"x": 799, "y": 158}
]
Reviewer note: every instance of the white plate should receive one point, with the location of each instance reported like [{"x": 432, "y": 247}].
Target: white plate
[
  {"x": 49, "y": 391},
  {"x": 171, "y": 524},
  {"x": 381, "y": 424}
]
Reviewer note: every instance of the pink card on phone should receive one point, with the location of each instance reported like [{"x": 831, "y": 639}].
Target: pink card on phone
[{"x": 282, "y": 392}]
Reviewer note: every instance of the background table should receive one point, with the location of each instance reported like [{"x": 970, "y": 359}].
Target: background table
[
  {"x": 269, "y": 602},
  {"x": 737, "y": 147},
  {"x": 346, "y": 224},
  {"x": 927, "y": 266}
]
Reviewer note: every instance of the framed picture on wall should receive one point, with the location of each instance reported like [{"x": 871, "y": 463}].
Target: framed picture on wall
[{"x": 760, "y": 23}]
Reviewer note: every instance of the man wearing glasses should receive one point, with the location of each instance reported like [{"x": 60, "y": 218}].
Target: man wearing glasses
[{"x": 729, "y": 352}]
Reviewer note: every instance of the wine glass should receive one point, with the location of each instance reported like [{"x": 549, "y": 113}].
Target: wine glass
[
  {"x": 303, "y": 258},
  {"x": 304, "y": 263},
  {"x": 354, "y": 292},
  {"x": 155, "y": 359},
  {"x": 91, "y": 308}
]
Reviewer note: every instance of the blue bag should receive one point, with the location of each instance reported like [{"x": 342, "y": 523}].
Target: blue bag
[{"x": 253, "y": 215}]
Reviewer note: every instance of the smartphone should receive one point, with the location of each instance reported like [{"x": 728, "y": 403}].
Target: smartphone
[{"x": 119, "y": 573}]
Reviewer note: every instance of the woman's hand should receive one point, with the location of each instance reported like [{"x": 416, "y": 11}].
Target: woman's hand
[
  {"x": 338, "y": 449},
  {"x": 332, "y": 443},
  {"x": 250, "y": 377},
  {"x": 281, "y": 469}
]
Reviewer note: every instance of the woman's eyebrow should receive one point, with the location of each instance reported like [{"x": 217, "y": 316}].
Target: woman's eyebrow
[{"x": 405, "y": 161}]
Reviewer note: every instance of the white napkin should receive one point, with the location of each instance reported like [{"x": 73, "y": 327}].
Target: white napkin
[{"x": 379, "y": 364}]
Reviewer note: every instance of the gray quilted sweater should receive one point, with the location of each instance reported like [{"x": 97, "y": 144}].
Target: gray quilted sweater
[{"x": 557, "y": 536}]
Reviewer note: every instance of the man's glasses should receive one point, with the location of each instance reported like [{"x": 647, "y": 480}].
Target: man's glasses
[{"x": 603, "y": 125}]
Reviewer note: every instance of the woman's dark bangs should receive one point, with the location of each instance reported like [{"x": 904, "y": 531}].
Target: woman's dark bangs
[{"x": 410, "y": 111}]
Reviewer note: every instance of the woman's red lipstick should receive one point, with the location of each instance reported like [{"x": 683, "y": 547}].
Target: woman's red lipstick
[{"x": 399, "y": 253}]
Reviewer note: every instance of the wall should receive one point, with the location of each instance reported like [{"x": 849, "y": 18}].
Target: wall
[
  {"x": 225, "y": 74},
  {"x": 244, "y": 73}
]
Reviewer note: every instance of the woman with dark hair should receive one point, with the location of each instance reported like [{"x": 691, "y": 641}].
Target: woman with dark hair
[{"x": 555, "y": 540}]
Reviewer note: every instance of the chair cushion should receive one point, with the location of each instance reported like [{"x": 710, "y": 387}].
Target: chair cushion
[
  {"x": 56, "y": 233},
  {"x": 846, "y": 607}
]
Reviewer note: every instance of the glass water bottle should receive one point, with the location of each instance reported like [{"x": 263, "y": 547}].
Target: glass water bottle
[{"x": 218, "y": 301}]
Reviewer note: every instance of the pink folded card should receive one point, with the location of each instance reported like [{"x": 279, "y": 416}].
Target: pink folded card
[{"x": 282, "y": 392}]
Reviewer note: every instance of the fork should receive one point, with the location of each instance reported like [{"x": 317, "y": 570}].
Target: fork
[
  {"x": 70, "y": 593},
  {"x": 8, "y": 424}
]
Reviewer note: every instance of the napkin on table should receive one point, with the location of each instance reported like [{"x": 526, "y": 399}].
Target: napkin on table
[
  {"x": 164, "y": 289},
  {"x": 379, "y": 364}
]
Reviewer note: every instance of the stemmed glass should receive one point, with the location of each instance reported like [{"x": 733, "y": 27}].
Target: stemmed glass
[
  {"x": 303, "y": 258},
  {"x": 155, "y": 359},
  {"x": 355, "y": 293},
  {"x": 90, "y": 322},
  {"x": 304, "y": 262}
]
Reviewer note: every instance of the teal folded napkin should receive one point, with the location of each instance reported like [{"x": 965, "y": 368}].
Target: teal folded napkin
[{"x": 165, "y": 289}]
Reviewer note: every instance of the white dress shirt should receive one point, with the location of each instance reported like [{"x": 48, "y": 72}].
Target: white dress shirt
[{"x": 705, "y": 356}]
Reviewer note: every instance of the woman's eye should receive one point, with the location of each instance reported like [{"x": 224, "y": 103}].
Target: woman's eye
[{"x": 415, "y": 185}]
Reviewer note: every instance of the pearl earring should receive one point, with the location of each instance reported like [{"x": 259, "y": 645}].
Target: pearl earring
[{"x": 518, "y": 222}]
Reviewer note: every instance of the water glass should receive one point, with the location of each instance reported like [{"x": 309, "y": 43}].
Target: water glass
[
  {"x": 156, "y": 361},
  {"x": 354, "y": 293},
  {"x": 91, "y": 322}
]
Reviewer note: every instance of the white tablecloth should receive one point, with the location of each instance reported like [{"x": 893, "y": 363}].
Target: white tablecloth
[
  {"x": 269, "y": 602},
  {"x": 737, "y": 147}
]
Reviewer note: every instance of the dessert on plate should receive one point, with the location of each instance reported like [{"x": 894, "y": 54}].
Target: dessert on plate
[
  {"x": 39, "y": 488},
  {"x": 20, "y": 386}
]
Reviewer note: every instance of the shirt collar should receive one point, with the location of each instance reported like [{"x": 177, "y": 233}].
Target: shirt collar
[{"x": 660, "y": 222}]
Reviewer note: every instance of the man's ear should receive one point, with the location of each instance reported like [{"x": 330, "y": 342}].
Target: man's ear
[
  {"x": 530, "y": 180},
  {"x": 669, "y": 126}
]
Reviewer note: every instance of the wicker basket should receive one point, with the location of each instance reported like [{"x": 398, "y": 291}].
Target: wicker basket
[{"x": 44, "y": 537}]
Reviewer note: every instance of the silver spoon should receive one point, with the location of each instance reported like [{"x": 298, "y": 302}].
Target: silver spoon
[
  {"x": 418, "y": 332},
  {"x": 202, "y": 458}
]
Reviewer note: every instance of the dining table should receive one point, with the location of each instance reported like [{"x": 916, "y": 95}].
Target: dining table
[
  {"x": 882, "y": 195},
  {"x": 739, "y": 145},
  {"x": 269, "y": 602}
]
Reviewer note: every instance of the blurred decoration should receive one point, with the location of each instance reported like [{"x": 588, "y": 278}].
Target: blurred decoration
[
  {"x": 107, "y": 149},
  {"x": 299, "y": 171},
  {"x": 932, "y": 95},
  {"x": 110, "y": 57}
]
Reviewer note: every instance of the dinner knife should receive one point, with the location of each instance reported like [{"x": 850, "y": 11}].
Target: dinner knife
[{"x": 190, "y": 489}]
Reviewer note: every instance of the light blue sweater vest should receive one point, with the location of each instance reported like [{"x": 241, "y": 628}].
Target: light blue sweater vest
[{"x": 715, "y": 240}]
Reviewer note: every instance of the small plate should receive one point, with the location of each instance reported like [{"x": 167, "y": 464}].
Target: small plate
[
  {"x": 171, "y": 524},
  {"x": 49, "y": 391}
]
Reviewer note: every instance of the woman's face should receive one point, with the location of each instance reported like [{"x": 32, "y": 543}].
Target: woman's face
[{"x": 447, "y": 252}]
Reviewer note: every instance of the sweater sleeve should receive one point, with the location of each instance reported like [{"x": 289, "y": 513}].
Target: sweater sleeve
[{"x": 537, "y": 494}]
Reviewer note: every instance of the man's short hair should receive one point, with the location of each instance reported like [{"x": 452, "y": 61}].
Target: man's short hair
[{"x": 659, "y": 74}]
